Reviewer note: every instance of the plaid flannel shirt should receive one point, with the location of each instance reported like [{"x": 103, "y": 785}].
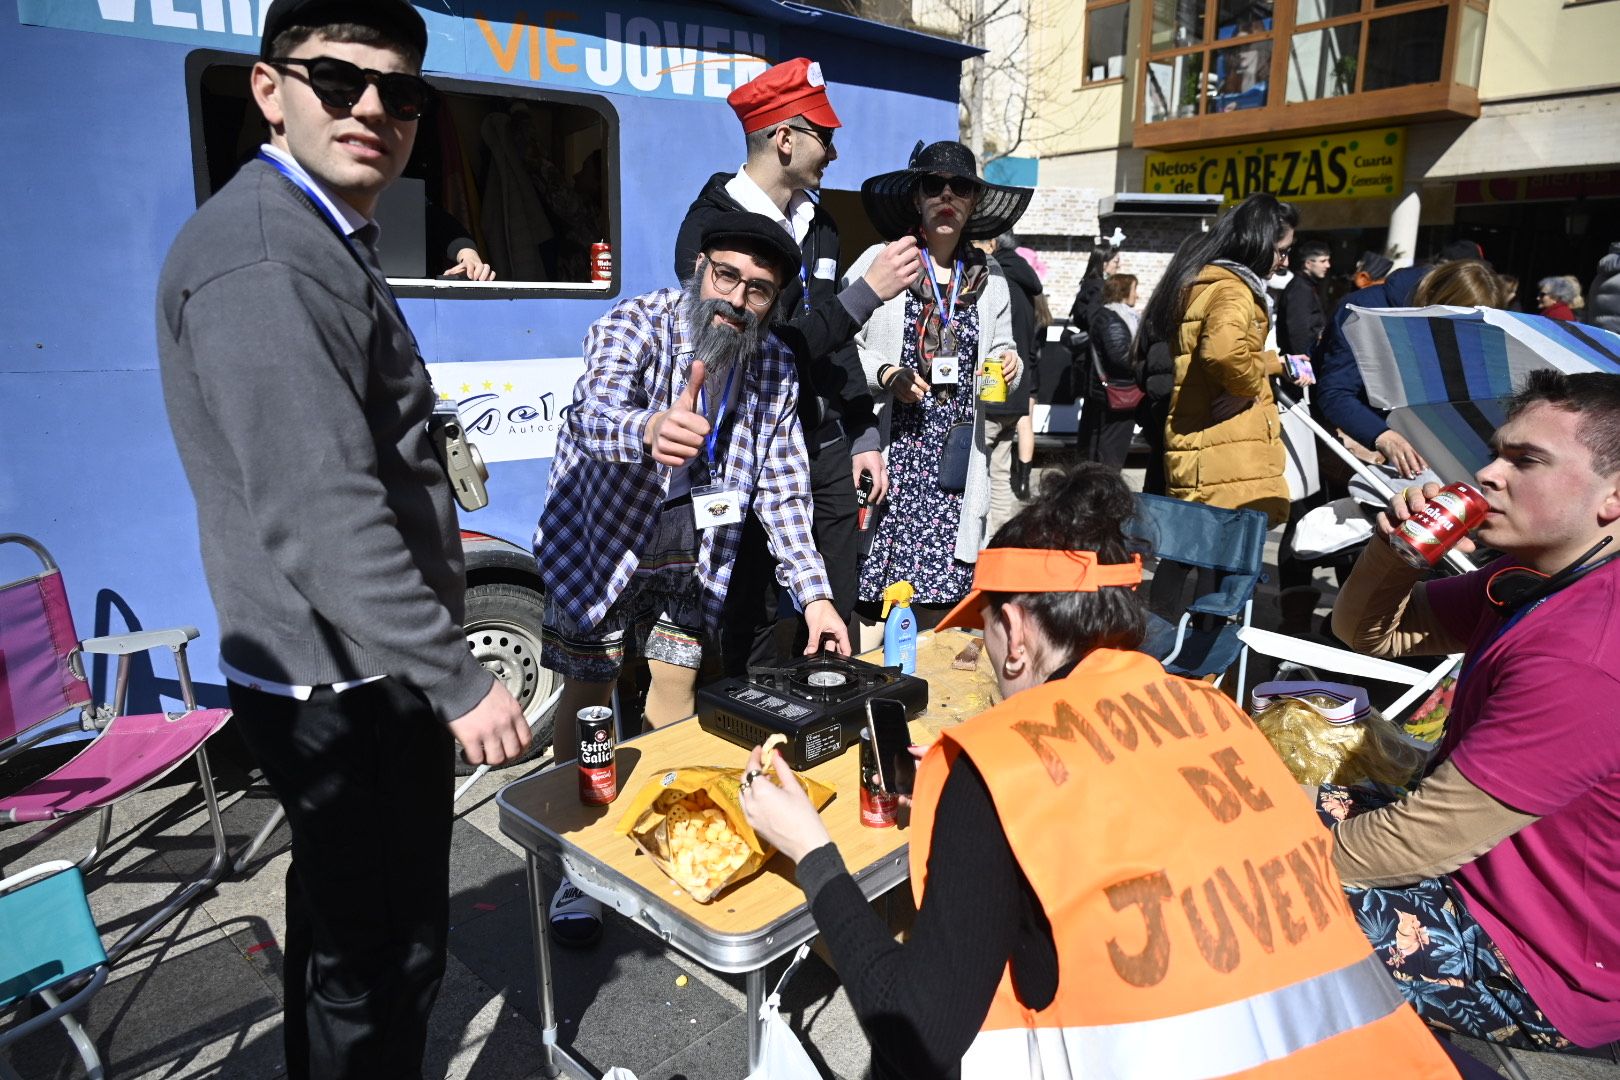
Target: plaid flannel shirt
[{"x": 606, "y": 492}]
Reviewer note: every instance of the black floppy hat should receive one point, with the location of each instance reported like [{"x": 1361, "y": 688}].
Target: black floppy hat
[
  {"x": 397, "y": 15},
  {"x": 888, "y": 196},
  {"x": 759, "y": 235}
]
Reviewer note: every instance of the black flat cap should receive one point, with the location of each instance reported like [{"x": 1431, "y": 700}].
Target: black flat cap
[
  {"x": 397, "y": 16},
  {"x": 759, "y": 235}
]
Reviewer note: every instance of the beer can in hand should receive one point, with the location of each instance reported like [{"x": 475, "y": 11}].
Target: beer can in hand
[
  {"x": 863, "y": 503},
  {"x": 992, "y": 383},
  {"x": 879, "y": 809},
  {"x": 1424, "y": 538},
  {"x": 598, "y": 756}
]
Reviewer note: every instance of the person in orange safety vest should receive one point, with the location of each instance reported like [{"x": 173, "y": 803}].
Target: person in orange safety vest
[{"x": 1115, "y": 875}]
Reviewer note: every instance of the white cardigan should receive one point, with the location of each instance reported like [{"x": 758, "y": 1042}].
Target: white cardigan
[{"x": 880, "y": 341}]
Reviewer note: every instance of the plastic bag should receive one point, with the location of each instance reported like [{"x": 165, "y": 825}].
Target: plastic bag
[
  {"x": 781, "y": 1055},
  {"x": 1300, "y": 467},
  {"x": 690, "y": 822}
]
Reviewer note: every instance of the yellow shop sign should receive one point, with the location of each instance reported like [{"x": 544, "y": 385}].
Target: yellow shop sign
[{"x": 1345, "y": 165}]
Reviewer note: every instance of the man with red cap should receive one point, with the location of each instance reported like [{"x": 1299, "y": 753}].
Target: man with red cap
[{"x": 790, "y": 125}]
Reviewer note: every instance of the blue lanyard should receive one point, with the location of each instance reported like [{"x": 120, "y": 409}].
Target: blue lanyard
[
  {"x": 804, "y": 285},
  {"x": 298, "y": 182},
  {"x": 945, "y": 313},
  {"x": 720, "y": 416},
  {"x": 342, "y": 234}
]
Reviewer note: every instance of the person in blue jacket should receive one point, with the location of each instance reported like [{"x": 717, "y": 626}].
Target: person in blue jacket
[{"x": 1340, "y": 393}]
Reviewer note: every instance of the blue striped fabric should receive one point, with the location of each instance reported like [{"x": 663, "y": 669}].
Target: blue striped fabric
[{"x": 1445, "y": 372}]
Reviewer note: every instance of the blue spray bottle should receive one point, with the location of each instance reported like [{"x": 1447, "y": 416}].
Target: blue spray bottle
[{"x": 900, "y": 628}]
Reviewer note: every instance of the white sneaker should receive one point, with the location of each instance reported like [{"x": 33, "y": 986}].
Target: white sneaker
[{"x": 576, "y": 919}]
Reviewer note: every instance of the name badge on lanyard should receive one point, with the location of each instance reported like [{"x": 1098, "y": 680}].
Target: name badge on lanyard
[
  {"x": 944, "y": 368},
  {"x": 716, "y": 503}
]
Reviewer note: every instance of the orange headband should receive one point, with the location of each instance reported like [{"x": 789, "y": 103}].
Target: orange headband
[{"x": 1035, "y": 570}]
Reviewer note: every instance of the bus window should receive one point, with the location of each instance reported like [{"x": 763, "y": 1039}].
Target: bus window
[{"x": 525, "y": 177}]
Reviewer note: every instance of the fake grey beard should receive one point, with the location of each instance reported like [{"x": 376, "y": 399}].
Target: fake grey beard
[{"x": 718, "y": 344}]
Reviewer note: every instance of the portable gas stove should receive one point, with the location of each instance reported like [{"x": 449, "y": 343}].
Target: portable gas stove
[{"x": 818, "y": 702}]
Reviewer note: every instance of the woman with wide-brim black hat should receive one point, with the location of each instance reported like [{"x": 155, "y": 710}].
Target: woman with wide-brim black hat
[{"x": 923, "y": 352}]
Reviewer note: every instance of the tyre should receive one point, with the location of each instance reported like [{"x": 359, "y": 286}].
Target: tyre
[{"x": 503, "y": 632}]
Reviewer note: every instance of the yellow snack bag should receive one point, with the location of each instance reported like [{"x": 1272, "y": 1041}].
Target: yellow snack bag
[{"x": 690, "y": 822}]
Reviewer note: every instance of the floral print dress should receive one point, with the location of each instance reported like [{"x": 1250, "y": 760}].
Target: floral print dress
[{"x": 916, "y": 536}]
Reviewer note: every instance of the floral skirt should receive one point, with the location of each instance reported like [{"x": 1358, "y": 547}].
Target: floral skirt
[{"x": 1445, "y": 963}]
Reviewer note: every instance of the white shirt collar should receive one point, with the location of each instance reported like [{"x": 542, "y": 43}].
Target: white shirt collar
[
  {"x": 352, "y": 219},
  {"x": 750, "y": 196}
]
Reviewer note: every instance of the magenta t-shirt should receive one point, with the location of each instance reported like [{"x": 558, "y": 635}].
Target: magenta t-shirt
[{"x": 1536, "y": 724}]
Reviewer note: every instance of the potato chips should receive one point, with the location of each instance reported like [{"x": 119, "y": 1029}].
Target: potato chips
[{"x": 690, "y": 823}]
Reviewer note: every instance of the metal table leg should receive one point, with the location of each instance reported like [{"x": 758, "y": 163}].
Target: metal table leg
[
  {"x": 541, "y": 928},
  {"x": 755, "y": 983}
]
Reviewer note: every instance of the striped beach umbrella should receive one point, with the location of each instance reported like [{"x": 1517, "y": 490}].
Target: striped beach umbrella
[{"x": 1446, "y": 372}]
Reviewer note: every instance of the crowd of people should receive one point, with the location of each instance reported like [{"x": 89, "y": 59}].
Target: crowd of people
[{"x": 708, "y": 476}]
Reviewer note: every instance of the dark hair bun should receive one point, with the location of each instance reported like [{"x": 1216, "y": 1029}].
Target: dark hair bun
[{"x": 1084, "y": 509}]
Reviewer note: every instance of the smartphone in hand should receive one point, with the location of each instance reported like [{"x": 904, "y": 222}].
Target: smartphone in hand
[{"x": 891, "y": 743}]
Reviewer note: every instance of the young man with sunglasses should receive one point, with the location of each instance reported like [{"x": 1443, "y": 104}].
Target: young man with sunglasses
[
  {"x": 1492, "y": 888},
  {"x": 789, "y": 126},
  {"x": 301, "y": 409}
]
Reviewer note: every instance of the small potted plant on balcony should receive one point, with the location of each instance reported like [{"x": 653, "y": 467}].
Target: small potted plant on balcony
[{"x": 1344, "y": 75}]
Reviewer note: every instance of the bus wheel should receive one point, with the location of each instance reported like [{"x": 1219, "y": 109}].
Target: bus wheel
[{"x": 503, "y": 632}]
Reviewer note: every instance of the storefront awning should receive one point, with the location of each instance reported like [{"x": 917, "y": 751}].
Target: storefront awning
[
  {"x": 1567, "y": 134},
  {"x": 1155, "y": 204}
]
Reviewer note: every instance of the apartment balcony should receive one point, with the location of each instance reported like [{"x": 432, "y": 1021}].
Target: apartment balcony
[{"x": 1219, "y": 70}]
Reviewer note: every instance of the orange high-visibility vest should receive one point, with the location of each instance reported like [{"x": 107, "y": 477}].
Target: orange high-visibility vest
[{"x": 1200, "y": 928}]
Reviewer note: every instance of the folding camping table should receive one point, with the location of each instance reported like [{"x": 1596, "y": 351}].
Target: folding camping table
[{"x": 751, "y": 924}]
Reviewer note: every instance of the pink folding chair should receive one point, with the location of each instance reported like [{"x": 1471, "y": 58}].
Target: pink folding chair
[{"x": 42, "y": 682}]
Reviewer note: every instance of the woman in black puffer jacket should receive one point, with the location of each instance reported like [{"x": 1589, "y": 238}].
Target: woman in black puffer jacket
[{"x": 1105, "y": 433}]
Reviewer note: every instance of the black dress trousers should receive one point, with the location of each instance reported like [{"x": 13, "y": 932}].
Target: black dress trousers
[{"x": 366, "y": 779}]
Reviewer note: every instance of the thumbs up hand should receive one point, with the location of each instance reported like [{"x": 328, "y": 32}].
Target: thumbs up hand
[{"x": 675, "y": 435}]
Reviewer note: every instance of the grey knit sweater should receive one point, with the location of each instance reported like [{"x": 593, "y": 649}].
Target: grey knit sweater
[{"x": 329, "y": 535}]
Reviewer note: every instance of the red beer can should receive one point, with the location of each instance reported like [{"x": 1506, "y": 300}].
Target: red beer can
[
  {"x": 601, "y": 261},
  {"x": 1424, "y": 538},
  {"x": 598, "y": 757},
  {"x": 879, "y": 810}
]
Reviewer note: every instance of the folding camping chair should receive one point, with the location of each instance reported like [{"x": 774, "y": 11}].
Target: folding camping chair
[
  {"x": 1231, "y": 543},
  {"x": 1315, "y": 655},
  {"x": 48, "y": 941},
  {"x": 42, "y": 681}
]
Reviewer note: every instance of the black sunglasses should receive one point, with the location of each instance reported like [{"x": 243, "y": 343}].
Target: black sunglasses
[
  {"x": 963, "y": 187},
  {"x": 824, "y": 136},
  {"x": 340, "y": 85}
]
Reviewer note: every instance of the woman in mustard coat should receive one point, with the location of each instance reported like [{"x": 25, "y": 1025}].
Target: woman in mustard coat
[{"x": 1223, "y": 437}]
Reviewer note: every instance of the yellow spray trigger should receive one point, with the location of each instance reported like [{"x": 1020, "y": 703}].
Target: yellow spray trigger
[{"x": 900, "y": 593}]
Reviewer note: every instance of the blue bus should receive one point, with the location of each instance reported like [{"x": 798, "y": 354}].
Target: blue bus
[{"x": 564, "y": 126}]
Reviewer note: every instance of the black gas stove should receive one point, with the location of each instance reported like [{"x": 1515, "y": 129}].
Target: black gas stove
[{"x": 818, "y": 702}]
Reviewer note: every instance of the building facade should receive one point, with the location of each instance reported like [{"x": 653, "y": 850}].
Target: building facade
[{"x": 1395, "y": 125}]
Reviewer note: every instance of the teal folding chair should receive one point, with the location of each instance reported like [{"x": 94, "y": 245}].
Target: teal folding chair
[
  {"x": 1228, "y": 546},
  {"x": 48, "y": 945}
]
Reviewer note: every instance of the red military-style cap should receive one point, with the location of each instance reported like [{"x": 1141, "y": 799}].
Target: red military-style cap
[{"x": 792, "y": 88}]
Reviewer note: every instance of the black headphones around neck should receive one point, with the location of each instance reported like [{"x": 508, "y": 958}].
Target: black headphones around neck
[{"x": 1514, "y": 589}]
